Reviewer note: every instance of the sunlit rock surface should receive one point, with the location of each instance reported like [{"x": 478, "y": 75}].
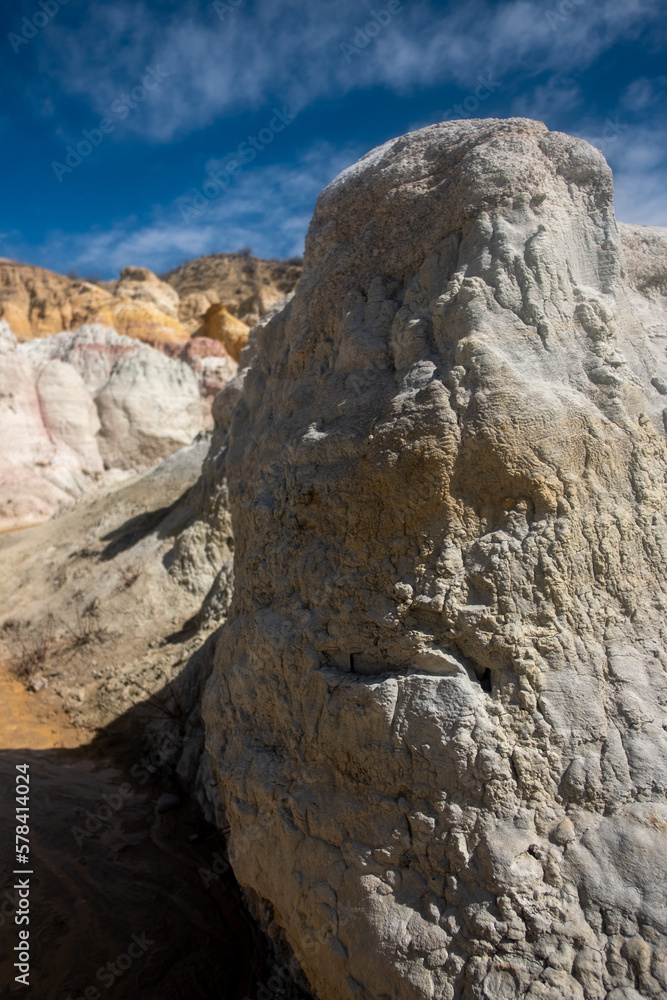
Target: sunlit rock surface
[{"x": 438, "y": 708}]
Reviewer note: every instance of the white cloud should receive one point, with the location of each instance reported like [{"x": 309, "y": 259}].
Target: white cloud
[
  {"x": 639, "y": 161},
  {"x": 267, "y": 208},
  {"x": 638, "y": 95},
  {"x": 291, "y": 50},
  {"x": 559, "y": 96}
]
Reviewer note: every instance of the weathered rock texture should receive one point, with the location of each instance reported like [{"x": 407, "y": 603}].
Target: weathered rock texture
[
  {"x": 141, "y": 284},
  {"x": 248, "y": 286},
  {"x": 77, "y": 408},
  {"x": 141, "y": 320},
  {"x": 212, "y": 365},
  {"x": 438, "y": 708},
  {"x": 219, "y": 324},
  {"x": 36, "y": 302},
  {"x": 48, "y": 436},
  {"x": 645, "y": 251}
]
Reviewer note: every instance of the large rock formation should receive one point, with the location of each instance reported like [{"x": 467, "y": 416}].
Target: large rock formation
[
  {"x": 48, "y": 436},
  {"x": 212, "y": 365},
  {"x": 219, "y": 324},
  {"x": 438, "y": 708},
  {"x": 138, "y": 283},
  {"x": 140, "y": 320},
  {"x": 78, "y": 408},
  {"x": 248, "y": 286},
  {"x": 36, "y": 302},
  {"x": 645, "y": 251}
]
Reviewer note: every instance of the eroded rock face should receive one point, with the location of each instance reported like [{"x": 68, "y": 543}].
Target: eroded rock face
[
  {"x": 219, "y": 324},
  {"x": 213, "y": 367},
  {"x": 48, "y": 436},
  {"x": 645, "y": 253},
  {"x": 248, "y": 286},
  {"x": 438, "y": 708},
  {"x": 36, "y": 302},
  {"x": 148, "y": 404},
  {"x": 77, "y": 408},
  {"x": 140, "y": 284}
]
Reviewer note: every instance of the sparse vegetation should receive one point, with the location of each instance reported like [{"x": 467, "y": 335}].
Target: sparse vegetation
[
  {"x": 85, "y": 631},
  {"x": 29, "y": 648},
  {"x": 130, "y": 577}
]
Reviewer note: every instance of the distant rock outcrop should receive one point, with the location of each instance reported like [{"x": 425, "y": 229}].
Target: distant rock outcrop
[
  {"x": 193, "y": 308},
  {"x": 140, "y": 320},
  {"x": 212, "y": 365},
  {"x": 219, "y": 324},
  {"x": 141, "y": 284},
  {"x": 645, "y": 254},
  {"x": 48, "y": 436},
  {"x": 36, "y": 302},
  {"x": 79, "y": 407},
  {"x": 437, "y": 714},
  {"x": 246, "y": 285}
]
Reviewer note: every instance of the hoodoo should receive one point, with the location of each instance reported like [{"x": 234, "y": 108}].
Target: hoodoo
[{"x": 438, "y": 708}]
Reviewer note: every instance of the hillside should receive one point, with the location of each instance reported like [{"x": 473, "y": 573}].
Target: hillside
[
  {"x": 36, "y": 302},
  {"x": 248, "y": 286}
]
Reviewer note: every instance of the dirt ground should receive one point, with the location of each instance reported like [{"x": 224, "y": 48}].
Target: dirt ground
[
  {"x": 130, "y": 895},
  {"x": 117, "y": 874},
  {"x": 119, "y": 871}
]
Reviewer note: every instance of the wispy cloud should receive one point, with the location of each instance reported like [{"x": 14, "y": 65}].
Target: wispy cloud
[
  {"x": 268, "y": 209},
  {"x": 560, "y": 95},
  {"x": 639, "y": 161},
  {"x": 633, "y": 138},
  {"x": 292, "y": 50},
  {"x": 275, "y": 53}
]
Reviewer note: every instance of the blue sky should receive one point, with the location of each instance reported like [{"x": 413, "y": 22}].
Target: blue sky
[{"x": 306, "y": 89}]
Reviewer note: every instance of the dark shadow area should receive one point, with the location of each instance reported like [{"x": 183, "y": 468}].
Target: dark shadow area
[
  {"x": 124, "y": 897},
  {"x": 131, "y": 893},
  {"x": 134, "y": 530},
  {"x": 485, "y": 681},
  {"x": 189, "y": 628}
]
